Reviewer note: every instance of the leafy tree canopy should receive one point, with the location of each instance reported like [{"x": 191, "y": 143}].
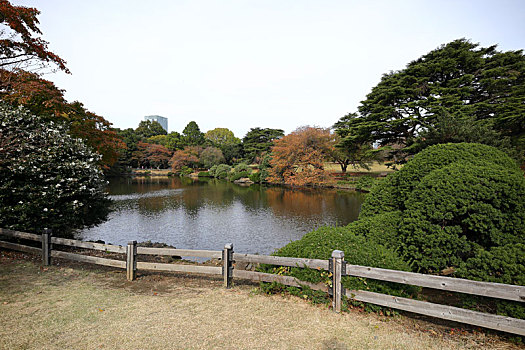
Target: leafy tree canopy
[
  {"x": 172, "y": 141},
  {"x": 20, "y": 44},
  {"x": 258, "y": 141},
  {"x": 221, "y": 137},
  {"x": 149, "y": 128},
  {"x": 211, "y": 156},
  {"x": 192, "y": 135},
  {"x": 459, "y": 80},
  {"x": 298, "y": 158},
  {"x": 47, "y": 178},
  {"x": 189, "y": 156}
]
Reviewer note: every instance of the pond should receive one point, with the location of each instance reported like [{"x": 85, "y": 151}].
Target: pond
[{"x": 207, "y": 214}]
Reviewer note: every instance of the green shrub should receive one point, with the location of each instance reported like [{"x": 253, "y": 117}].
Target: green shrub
[
  {"x": 382, "y": 228},
  {"x": 458, "y": 208},
  {"x": 237, "y": 176},
  {"x": 505, "y": 264},
  {"x": 365, "y": 183},
  {"x": 243, "y": 167},
  {"x": 185, "y": 171},
  {"x": 255, "y": 177},
  {"x": 358, "y": 249},
  {"x": 401, "y": 183},
  {"x": 222, "y": 171},
  {"x": 381, "y": 199},
  {"x": 48, "y": 179},
  {"x": 212, "y": 170},
  {"x": 204, "y": 174}
]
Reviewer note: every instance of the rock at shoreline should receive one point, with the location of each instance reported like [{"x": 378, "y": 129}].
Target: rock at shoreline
[{"x": 243, "y": 181}]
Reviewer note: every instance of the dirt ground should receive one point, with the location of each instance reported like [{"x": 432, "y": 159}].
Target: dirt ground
[{"x": 76, "y": 306}]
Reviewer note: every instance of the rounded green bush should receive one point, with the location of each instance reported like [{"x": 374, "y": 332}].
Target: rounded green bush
[
  {"x": 393, "y": 193},
  {"x": 211, "y": 171},
  {"x": 358, "y": 249},
  {"x": 382, "y": 228},
  {"x": 243, "y": 167},
  {"x": 505, "y": 264},
  {"x": 222, "y": 171},
  {"x": 458, "y": 208},
  {"x": 237, "y": 176}
]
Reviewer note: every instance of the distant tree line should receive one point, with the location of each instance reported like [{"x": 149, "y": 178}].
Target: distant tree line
[{"x": 150, "y": 146}]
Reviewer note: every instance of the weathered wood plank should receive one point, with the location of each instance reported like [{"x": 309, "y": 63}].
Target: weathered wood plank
[
  {"x": 131, "y": 260},
  {"x": 88, "y": 259},
  {"x": 22, "y": 235},
  {"x": 337, "y": 287},
  {"x": 487, "y": 289},
  {"x": 287, "y": 280},
  {"x": 20, "y": 247},
  {"x": 209, "y": 270},
  {"x": 46, "y": 247},
  {"x": 212, "y": 254},
  {"x": 89, "y": 245},
  {"x": 500, "y": 323},
  {"x": 282, "y": 261}
]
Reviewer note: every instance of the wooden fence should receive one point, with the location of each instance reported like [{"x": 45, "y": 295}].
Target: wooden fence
[{"x": 336, "y": 265}]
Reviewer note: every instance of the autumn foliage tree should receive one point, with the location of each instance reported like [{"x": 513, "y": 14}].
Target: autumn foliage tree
[
  {"x": 298, "y": 158},
  {"x": 152, "y": 155},
  {"x": 20, "y": 44},
  {"x": 189, "y": 157}
]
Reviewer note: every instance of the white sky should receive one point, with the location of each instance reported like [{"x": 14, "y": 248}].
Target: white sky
[{"x": 242, "y": 64}]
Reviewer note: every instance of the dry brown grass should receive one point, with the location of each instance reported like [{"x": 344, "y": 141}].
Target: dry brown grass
[
  {"x": 64, "y": 307},
  {"x": 374, "y": 168},
  {"x": 151, "y": 172}
]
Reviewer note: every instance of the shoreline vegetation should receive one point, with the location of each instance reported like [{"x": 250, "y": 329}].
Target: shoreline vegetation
[{"x": 355, "y": 179}]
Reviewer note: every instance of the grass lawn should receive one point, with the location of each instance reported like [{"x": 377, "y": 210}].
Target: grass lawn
[
  {"x": 374, "y": 168},
  {"x": 73, "y": 306}
]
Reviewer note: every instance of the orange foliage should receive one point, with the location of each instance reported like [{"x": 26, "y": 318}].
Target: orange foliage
[
  {"x": 19, "y": 42},
  {"x": 298, "y": 158},
  {"x": 186, "y": 157},
  {"x": 152, "y": 155}
]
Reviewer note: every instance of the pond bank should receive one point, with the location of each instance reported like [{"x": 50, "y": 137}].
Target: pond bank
[{"x": 341, "y": 185}]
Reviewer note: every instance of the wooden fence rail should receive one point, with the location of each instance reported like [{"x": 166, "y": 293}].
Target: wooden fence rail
[
  {"x": 336, "y": 265},
  {"x": 486, "y": 289}
]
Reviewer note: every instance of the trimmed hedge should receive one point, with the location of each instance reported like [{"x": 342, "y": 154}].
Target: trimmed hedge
[
  {"x": 222, "y": 171},
  {"x": 458, "y": 208},
  {"x": 358, "y": 249},
  {"x": 395, "y": 190},
  {"x": 243, "y": 167},
  {"x": 237, "y": 176}
]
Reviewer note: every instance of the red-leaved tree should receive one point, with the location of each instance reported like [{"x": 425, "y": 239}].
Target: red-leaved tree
[
  {"x": 20, "y": 44},
  {"x": 298, "y": 159},
  {"x": 189, "y": 157}
]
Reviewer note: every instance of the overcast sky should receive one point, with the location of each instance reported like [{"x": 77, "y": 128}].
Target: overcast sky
[{"x": 243, "y": 64}]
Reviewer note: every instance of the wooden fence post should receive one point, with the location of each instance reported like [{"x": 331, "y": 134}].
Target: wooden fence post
[
  {"x": 337, "y": 288},
  {"x": 46, "y": 247},
  {"x": 131, "y": 260},
  {"x": 227, "y": 265}
]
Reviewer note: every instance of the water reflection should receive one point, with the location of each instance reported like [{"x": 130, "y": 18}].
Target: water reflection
[{"x": 206, "y": 214}]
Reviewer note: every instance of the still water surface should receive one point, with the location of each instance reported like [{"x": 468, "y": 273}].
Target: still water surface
[{"x": 207, "y": 214}]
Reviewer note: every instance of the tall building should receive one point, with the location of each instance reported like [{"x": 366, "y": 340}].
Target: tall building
[{"x": 157, "y": 118}]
